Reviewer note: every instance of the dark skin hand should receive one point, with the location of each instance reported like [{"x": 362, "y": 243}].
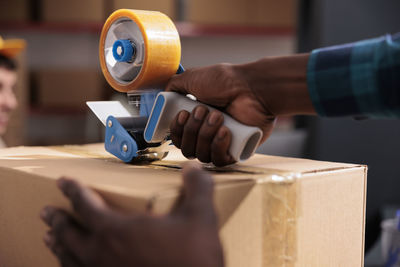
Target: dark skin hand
[
  {"x": 101, "y": 236},
  {"x": 201, "y": 134},
  {"x": 253, "y": 94}
]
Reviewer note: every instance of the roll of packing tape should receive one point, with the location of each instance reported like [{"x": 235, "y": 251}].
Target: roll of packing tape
[{"x": 139, "y": 50}]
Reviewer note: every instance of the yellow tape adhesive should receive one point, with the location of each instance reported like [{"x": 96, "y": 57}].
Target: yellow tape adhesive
[{"x": 162, "y": 49}]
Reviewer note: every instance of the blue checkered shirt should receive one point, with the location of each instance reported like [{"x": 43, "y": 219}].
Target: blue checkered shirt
[{"x": 358, "y": 79}]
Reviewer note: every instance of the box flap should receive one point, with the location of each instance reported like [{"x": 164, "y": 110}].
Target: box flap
[{"x": 53, "y": 162}]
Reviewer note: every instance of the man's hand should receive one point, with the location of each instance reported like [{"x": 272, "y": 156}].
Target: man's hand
[
  {"x": 201, "y": 134},
  {"x": 101, "y": 236},
  {"x": 253, "y": 94}
]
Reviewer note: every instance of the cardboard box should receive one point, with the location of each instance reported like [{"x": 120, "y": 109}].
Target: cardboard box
[
  {"x": 242, "y": 12},
  {"x": 69, "y": 88},
  {"x": 14, "y": 10},
  {"x": 234, "y": 12},
  {"x": 273, "y": 211},
  {"x": 167, "y": 7},
  {"x": 282, "y": 13},
  {"x": 74, "y": 11}
]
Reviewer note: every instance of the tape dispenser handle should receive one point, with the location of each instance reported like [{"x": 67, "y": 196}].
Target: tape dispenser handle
[{"x": 245, "y": 139}]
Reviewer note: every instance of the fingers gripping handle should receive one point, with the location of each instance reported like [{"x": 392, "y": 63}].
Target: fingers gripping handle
[{"x": 245, "y": 139}]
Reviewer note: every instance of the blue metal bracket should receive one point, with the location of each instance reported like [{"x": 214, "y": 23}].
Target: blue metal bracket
[{"x": 118, "y": 141}]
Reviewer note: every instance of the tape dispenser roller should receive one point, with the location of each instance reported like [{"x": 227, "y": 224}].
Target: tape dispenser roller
[{"x": 139, "y": 52}]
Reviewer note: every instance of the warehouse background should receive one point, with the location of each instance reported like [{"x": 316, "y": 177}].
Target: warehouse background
[{"x": 60, "y": 71}]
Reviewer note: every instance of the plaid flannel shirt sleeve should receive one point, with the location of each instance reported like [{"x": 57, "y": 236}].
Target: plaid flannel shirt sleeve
[{"x": 358, "y": 79}]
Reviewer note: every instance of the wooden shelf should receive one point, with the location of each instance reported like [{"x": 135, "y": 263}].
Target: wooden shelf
[{"x": 185, "y": 29}]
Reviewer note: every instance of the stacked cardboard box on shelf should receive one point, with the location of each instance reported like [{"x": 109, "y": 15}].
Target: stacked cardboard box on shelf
[
  {"x": 68, "y": 88},
  {"x": 15, "y": 10},
  {"x": 74, "y": 11},
  {"x": 216, "y": 12},
  {"x": 226, "y": 12},
  {"x": 272, "y": 13},
  {"x": 273, "y": 211},
  {"x": 98, "y": 10},
  {"x": 59, "y": 114},
  {"x": 167, "y": 7}
]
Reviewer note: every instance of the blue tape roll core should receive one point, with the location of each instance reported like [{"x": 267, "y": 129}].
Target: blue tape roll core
[{"x": 123, "y": 50}]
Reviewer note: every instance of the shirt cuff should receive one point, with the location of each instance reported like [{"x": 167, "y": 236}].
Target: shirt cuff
[{"x": 329, "y": 81}]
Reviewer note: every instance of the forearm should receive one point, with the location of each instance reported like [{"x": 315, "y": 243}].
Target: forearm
[
  {"x": 280, "y": 83},
  {"x": 358, "y": 79}
]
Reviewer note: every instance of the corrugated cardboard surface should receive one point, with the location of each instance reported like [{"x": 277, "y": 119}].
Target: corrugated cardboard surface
[{"x": 273, "y": 211}]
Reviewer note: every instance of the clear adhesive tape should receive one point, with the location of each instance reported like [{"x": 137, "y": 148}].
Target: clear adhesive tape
[{"x": 162, "y": 49}]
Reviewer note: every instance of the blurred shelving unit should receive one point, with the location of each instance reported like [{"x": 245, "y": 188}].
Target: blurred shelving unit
[
  {"x": 186, "y": 29},
  {"x": 71, "y": 44}
]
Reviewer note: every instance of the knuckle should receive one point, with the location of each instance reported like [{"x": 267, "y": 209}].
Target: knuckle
[
  {"x": 221, "y": 67},
  {"x": 216, "y": 147},
  {"x": 224, "y": 69},
  {"x": 60, "y": 222},
  {"x": 191, "y": 129},
  {"x": 205, "y": 134}
]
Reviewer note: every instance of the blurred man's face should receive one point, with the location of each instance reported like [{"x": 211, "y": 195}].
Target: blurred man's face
[{"x": 8, "y": 102}]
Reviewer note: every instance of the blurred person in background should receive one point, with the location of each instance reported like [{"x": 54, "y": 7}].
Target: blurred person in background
[
  {"x": 359, "y": 80},
  {"x": 9, "y": 49}
]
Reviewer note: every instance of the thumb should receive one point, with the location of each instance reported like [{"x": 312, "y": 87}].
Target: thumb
[
  {"x": 88, "y": 205},
  {"x": 178, "y": 83},
  {"x": 198, "y": 192}
]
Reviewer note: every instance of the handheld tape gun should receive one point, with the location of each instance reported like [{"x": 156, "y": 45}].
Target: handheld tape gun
[{"x": 139, "y": 52}]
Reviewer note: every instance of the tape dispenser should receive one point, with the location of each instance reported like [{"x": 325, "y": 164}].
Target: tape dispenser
[{"x": 139, "y": 52}]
